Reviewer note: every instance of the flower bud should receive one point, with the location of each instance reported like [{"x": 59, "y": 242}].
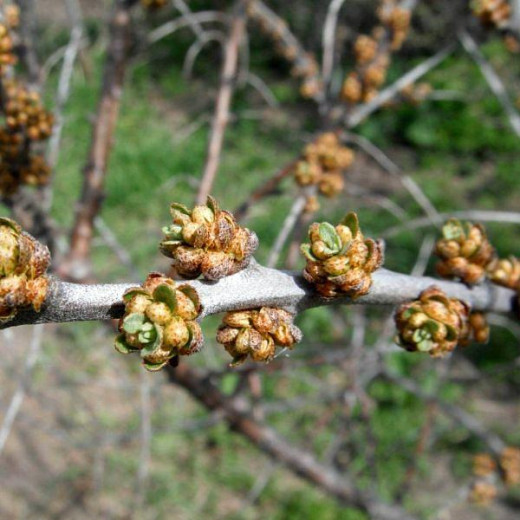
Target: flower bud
[
  {"x": 159, "y": 313},
  {"x": 158, "y": 321},
  {"x": 176, "y": 333}
]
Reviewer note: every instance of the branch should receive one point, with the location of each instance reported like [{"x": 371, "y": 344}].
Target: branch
[
  {"x": 492, "y": 79},
  {"x": 329, "y": 39},
  {"x": 185, "y": 21},
  {"x": 28, "y": 48},
  {"x": 266, "y": 439},
  {"x": 63, "y": 91},
  {"x": 76, "y": 265},
  {"x": 493, "y": 441},
  {"x": 506, "y": 217},
  {"x": 221, "y": 118},
  {"x": 254, "y": 287},
  {"x": 359, "y": 114},
  {"x": 269, "y": 187}
]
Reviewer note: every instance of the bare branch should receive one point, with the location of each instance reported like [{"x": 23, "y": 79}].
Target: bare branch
[
  {"x": 18, "y": 397},
  {"x": 288, "y": 225},
  {"x": 493, "y": 80},
  {"x": 506, "y": 217},
  {"x": 493, "y": 442},
  {"x": 329, "y": 34},
  {"x": 63, "y": 92},
  {"x": 385, "y": 162},
  {"x": 360, "y": 113},
  {"x": 179, "y": 23},
  {"x": 76, "y": 264},
  {"x": 254, "y": 287},
  {"x": 221, "y": 118},
  {"x": 266, "y": 439},
  {"x": 28, "y": 49}
]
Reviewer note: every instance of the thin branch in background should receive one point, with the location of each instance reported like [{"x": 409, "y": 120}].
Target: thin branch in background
[
  {"x": 172, "y": 26},
  {"x": 28, "y": 54},
  {"x": 63, "y": 91},
  {"x": 186, "y": 12},
  {"x": 329, "y": 40},
  {"x": 197, "y": 47},
  {"x": 263, "y": 89},
  {"x": 515, "y": 19},
  {"x": 300, "y": 462},
  {"x": 494, "y": 443},
  {"x": 385, "y": 162},
  {"x": 492, "y": 79},
  {"x": 267, "y": 188},
  {"x": 22, "y": 387},
  {"x": 360, "y": 113},
  {"x": 294, "y": 214},
  {"x": 505, "y": 217},
  {"x": 225, "y": 94},
  {"x": 145, "y": 437},
  {"x": 112, "y": 242},
  {"x": 203, "y": 36},
  {"x": 76, "y": 265}
]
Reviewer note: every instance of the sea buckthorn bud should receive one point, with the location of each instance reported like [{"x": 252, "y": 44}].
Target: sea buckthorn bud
[
  {"x": 339, "y": 259},
  {"x": 483, "y": 493},
  {"x": 322, "y": 164},
  {"x": 207, "y": 241},
  {"x": 492, "y": 12},
  {"x": 307, "y": 173},
  {"x": 483, "y": 465},
  {"x": 505, "y": 272},
  {"x": 352, "y": 89},
  {"x": 365, "y": 49},
  {"x": 311, "y": 204},
  {"x": 434, "y": 323},
  {"x": 257, "y": 333},
  {"x": 23, "y": 264},
  {"x": 159, "y": 322},
  {"x": 510, "y": 464},
  {"x": 475, "y": 252},
  {"x": 7, "y": 58}
]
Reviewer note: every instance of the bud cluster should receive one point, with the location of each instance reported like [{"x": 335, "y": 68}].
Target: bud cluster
[
  {"x": 339, "y": 259},
  {"x": 492, "y": 13},
  {"x": 436, "y": 324},
  {"x": 12, "y": 15},
  {"x": 465, "y": 252},
  {"x": 207, "y": 241},
  {"x": 505, "y": 272},
  {"x": 153, "y": 5},
  {"x": 510, "y": 465},
  {"x": 7, "y": 56},
  {"x": 487, "y": 470},
  {"x": 159, "y": 322},
  {"x": 304, "y": 65},
  {"x": 373, "y": 53},
  {"x": 257, "y": 333},
  {"x": 416, "y": 93},
  {"x": 323, "y": 163},
  {"x": 23, "y": 263},
  {"x": 396, "y": 20},
  {"x": 483, "y": 465},
  {"x": 483, "y": 493},
  {"x": 27, "y": 123}
]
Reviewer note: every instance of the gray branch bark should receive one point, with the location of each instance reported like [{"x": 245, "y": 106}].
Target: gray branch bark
[{"x": 254, "y": 287}]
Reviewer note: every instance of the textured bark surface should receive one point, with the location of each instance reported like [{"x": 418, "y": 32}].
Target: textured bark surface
[{"x": 254, "y": 287}]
